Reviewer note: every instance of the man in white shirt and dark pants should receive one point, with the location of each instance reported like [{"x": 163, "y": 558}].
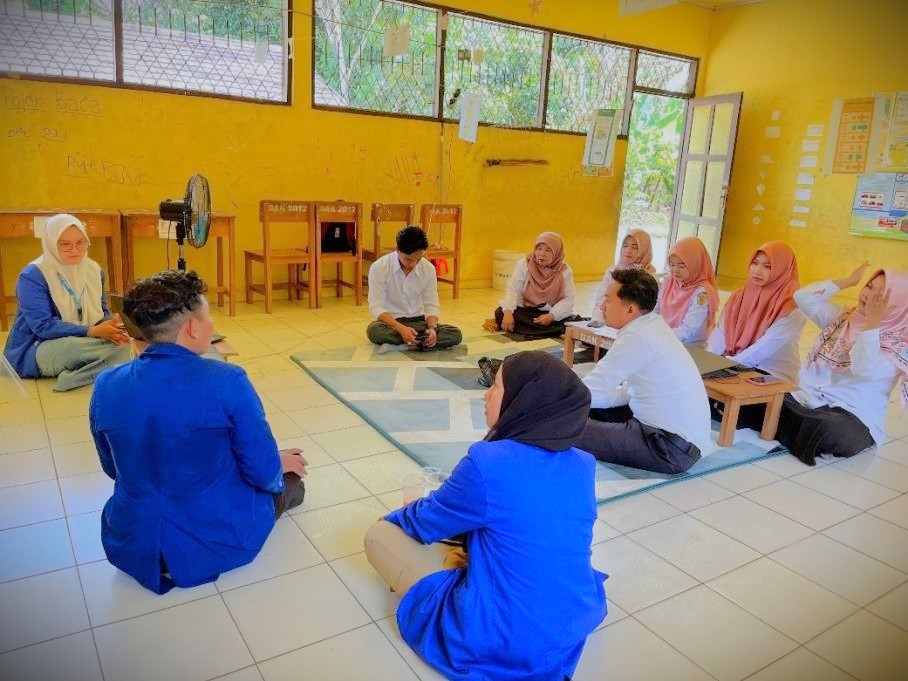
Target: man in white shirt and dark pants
[
  {"x": 403, "y": 297},
  {"x": 649, "y": 407}
]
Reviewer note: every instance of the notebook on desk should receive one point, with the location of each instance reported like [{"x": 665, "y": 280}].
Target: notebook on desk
[
  {"x": 116, "y": 307},
  {"x": 711, "y": 365}
]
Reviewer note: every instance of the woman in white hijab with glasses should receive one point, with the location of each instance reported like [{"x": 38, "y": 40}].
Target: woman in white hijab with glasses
[{"x": 63, "y": 327}]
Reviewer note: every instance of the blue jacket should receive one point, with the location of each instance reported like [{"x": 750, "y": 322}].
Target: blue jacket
[
  {"x": 528, "y": 598},
  {"x": 37, "y": 319},
  {"x": 194, "y": 466}
]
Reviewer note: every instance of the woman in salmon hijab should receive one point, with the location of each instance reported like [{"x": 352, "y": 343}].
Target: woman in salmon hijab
[
  {"x": 847, "y": 380},
  {"x": 636, "y": 253},
  {"x": 688, "y": 297},
  {"x": 761, "y": 324},
  {"x": 62, "y": 326},
  {"x": 540, "y": 293}
]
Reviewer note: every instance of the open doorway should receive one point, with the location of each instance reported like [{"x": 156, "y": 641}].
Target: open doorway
[{"x": 653, "y": 147}]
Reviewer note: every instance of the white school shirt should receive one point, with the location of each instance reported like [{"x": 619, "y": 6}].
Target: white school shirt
[
  {"x": 649, "y": 370},
  {"x": 863, "y": 389},
  {"x": 403, "y": 295},
  {"x": 513, "y": 296},
  {"x": 693, "y": 327},
  {"x": 596, "y": 314},
  {"x": 775, "y": 352}
]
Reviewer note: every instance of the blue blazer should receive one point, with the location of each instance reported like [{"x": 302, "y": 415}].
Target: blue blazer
[
  {"x": 528, "y": 598},
  {"x": 37, "y": 319},
  {"x": 194, "y": 466}
]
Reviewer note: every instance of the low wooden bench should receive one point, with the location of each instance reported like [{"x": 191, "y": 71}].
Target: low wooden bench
[
  {"x": 600, "y": 338},
  {"x": 734, "y": 392}
]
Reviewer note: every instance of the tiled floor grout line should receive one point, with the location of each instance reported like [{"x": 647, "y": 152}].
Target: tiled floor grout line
[{"x": 374, "y": 495}]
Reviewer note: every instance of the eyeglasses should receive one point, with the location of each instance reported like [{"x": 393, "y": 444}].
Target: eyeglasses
[{"x": 68, "y": 246}]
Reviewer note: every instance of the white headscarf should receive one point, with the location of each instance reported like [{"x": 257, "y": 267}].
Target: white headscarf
[{"x": 84, "y": 279}]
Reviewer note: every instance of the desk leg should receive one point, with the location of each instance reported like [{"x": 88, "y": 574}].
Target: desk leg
[
  {"x": 247, "y": 263},
  {"x": 231, "y": 268},
  {"x": 269, "y": 286},
  {"x": 115, "y": 255},
  {"x": 220, "y": 270},
  {"x": 569, "y": 346},
  {"x": 596, "y": 350},
  {"x": 4, "y": 320},
  {"x": 771, "y": 418},
  {"x": 129, "y": 267},
  {"x": 729, "y": 423}
]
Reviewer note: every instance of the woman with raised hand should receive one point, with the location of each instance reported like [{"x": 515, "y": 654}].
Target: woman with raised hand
[
  {"x": 761, "y": 323},
  {"x": 522, "y": 601},
  {"x": 847, "y": 380},
  {"x": 62, "y": 326},
  {"x": 688, "y": 297}
]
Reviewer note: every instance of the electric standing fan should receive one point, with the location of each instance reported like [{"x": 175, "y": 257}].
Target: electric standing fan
[{"x": 192, "y": 216}]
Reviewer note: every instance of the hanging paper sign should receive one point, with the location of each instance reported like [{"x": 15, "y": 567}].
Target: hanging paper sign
[
  {"x": 600, "y": 140},
  {"x": 397, "y": 41},
  {"x": 470, "y": 106}
]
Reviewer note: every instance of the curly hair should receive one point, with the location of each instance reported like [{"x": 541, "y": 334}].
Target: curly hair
[
  {"x": 411, "y": 239},
  {"x": 637, "y": 286},
  {"x": 159, "y": 304}
]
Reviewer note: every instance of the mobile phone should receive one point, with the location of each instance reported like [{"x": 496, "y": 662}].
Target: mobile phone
[
  {"x": 763, "y": 380},
  {"x": 595, "y": 325}
]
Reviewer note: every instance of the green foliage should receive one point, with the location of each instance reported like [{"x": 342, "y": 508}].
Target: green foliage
[
  {"x": 349, "y": 38},
  {"x": 652, "y": 157}
]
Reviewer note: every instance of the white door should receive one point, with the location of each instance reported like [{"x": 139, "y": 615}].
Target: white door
[{"x": 704, "y": 169}]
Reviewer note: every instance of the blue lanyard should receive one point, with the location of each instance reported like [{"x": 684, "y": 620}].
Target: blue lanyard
[{"x": 72, "y": 294}]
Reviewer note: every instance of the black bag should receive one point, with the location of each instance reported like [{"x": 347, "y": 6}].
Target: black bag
[{"x": 338, "y": 237}]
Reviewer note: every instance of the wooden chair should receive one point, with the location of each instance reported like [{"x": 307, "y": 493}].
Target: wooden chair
[
  {"x": 280, "y": 211},
  {"x": 334, "y": 213},
  {"x": 403, "y": 213},
  {"x": 443, "y": 215}
]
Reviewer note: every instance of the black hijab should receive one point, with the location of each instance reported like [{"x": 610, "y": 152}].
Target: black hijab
[{"x": 545, "y": 404}]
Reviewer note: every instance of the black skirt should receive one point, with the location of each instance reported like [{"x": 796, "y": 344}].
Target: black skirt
[{"x": 807, "y": 432}]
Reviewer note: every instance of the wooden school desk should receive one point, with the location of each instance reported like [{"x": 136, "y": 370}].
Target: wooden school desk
[
  {"x": 734, "y": 392},
  {"x": 600, "y": 338},
  {"x": 19, "y": 224},
  {"x": 141, "y": 224}
]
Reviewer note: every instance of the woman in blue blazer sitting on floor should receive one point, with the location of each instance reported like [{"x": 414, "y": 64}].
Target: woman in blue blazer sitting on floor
[
  {"x": 521, "y": 601},
  {"x": 62, "y": 326}
]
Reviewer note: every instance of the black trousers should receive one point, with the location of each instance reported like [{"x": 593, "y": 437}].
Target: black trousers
[
  {"x": 615, "y": 436},
  {"x": 292, "y": 496},
  {"x": 807, "y": 432},
  {"x": 524, "y": 325}
]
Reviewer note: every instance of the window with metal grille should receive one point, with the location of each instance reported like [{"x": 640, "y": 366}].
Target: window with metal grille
[
  {"x": 501, "y": 61},
  {"x": 235, "y": 48},
  {"x": 66, "y": 39},
  {"x": 584, "y": 75},
  {"x": 665, "y": 73},
  {"x": 227, "y": 48},
  {"x": 350, "y": 69}
]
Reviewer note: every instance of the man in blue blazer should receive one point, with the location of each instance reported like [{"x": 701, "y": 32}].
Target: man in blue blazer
[{"x": 198, "y": 478}]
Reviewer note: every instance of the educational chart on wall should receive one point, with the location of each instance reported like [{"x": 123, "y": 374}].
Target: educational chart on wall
[
  {"x": 600, "y": 140},
  {"x": 881, "y": 206},
  {"x": 854, "y": 133},
  {"x": 893, "y": 155}
]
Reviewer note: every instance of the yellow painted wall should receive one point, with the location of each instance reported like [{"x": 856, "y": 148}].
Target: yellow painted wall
[
  {"x": 144, "y": 145},
  {"x": 797, "y": 56}
]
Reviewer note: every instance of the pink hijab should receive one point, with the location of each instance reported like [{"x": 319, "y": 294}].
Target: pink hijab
[
  {"x": 545, "y": 285},
  {"x": 753, "y": 309},
  {"x": 644, "y": 259},
  {"x": 833, "y": 347},
  {"x": 676, "y": 296}
]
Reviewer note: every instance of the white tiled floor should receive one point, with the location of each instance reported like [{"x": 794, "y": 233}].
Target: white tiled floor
[{"x": 771, "y": 571}]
